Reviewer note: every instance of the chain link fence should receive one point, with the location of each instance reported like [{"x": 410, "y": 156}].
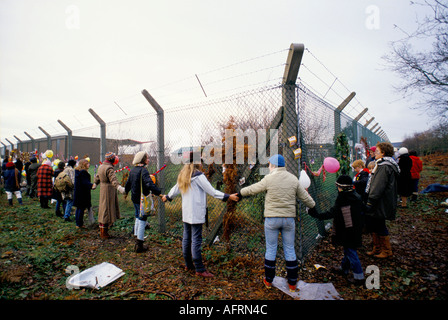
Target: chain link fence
[
  {"x": 248, "y": 126},
  {"x": 260, "y": 116}
]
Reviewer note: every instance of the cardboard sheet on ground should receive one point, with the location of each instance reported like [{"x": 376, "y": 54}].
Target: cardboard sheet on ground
[
  {"x": 96, "y": 277},
  {"x": 308, "y": 291}
]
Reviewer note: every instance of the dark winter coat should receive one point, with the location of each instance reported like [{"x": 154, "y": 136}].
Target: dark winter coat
[
  {"x": 12, "y": 178},
  {"x": 382, "y": 189},
  {"x": 81, "y": 195},
  {"x": 28, "y": 179},
  {"x": 405, "y": 177},
  {"x": 32, "y": 173},
  {"x": 134, "y": 184},
  {"x": 360, "y": 183},
  {"x": 348, "y": 219},
  {"x": 56, "y": 194}
]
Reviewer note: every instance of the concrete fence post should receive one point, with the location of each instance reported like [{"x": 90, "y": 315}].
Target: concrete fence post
[
  {"x": 48, "y": 137},
  {"x": 68, "y": 150},
  {"x": 102, "y": 134},
  {"x": 33, "y": 142},
  {"x": 19, "y": 143},
  {"x": 160, "y": 155}
]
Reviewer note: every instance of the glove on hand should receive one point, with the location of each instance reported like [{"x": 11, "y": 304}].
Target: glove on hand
[
  {"x": 121, "y": 189},
  {"x": 313, "y": 212}
]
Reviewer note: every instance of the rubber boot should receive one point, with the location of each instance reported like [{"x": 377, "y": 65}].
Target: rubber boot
[
  {"x": 376, "y": 245},
  {"x": 292, "y": 271},
  {"x": 10, "y": 202},
  {"x": 269, "y": 270},
  {"x": 104, "y": 231},
  {"x": 386, "y": 249},
  {"x": 140, "y": 234},
  {"x": 138, "y": 248}
]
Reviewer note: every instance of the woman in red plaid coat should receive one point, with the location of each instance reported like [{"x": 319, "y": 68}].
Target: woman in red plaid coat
[{"x": 45, "y": 183}]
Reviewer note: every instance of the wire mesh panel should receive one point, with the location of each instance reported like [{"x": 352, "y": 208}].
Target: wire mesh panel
[
  {"x": 235, "y": 136},
  {"x": 213, "y": 129},
  {"x": 317, "y": 130}
]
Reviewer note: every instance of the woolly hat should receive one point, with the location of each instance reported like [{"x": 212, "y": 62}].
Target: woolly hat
[
  {"x": 10, "y": 164},
  {"x": 277, "y": 160},
  {"x": 403, "y": 151},
  {"x": 373, "y": 149},
  {"x": 109, "y": 156},
  {"x": 138, "y": 157},
  {"x": 345, "y": 182}
]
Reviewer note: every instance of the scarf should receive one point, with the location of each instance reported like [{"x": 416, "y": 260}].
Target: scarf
[{"x": 380, "y": 162}]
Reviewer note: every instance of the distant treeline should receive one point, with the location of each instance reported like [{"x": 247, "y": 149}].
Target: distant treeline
[{"x": 429, "y": 141}]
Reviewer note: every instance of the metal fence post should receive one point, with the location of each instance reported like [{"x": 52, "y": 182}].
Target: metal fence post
[
  {"x": 103, "y": 134},
  {"x": 160, "y": 155},
  {"x": 68, "y": 151}
]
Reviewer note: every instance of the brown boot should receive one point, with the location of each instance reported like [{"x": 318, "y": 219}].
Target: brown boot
[
  {"x": 386, "y": 249},
  {"x": 376, "y": 245},
  {"x": 104, "y": 231},
  {"x": 138, "y": 248}
]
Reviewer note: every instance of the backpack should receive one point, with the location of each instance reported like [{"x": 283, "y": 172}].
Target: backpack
[{"x": 63, "y": 183}]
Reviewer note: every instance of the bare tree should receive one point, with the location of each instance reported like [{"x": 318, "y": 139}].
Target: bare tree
[{"x": 425, "y": 73}]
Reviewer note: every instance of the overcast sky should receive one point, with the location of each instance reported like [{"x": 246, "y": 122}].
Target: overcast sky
[{"x": 60, "y": 58}]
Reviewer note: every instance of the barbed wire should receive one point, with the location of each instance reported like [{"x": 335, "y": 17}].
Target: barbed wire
[
  {"x": 128, "y": 102},
  {"x": 352, "y": 108}
]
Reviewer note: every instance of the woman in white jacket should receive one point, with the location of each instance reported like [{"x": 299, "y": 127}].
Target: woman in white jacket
[{"x": 194, "y": 187}]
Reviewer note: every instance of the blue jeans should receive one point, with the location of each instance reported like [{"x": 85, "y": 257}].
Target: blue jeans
[
  {"x": 79, "y": 216},
  {"x": 351, "y": 261},
  {"x": 191, "y": 246},
  {"x": 285, "y": 226},
  {"x": 137, "y": 212},
  {"x": 68, "y": 207},
  {"x": 58, "y": 205}
]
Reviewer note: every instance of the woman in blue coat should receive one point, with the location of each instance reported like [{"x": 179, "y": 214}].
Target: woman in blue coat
[
  {"x": 82, "y": 199},
  {"x": 12, "y": 182}
]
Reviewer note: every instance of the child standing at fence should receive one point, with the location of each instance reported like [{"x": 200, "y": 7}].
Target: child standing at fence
[
  {"x": 347, "y": 213},
  {"x": 282, "y": 191},
  {"x": 360, "y": 179},
  {"x": 194, "y": 187}
]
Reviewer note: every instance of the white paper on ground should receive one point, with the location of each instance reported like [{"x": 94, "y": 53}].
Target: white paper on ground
[
  {"x": 96, "y": 277},
  {"x": 308, "y": 291}
]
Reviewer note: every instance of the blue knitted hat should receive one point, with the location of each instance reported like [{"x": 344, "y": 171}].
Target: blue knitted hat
[{"x": 277, "y": 160}]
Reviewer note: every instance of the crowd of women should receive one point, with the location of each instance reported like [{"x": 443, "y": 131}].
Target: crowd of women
[{"x": 368, "y": 199}]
